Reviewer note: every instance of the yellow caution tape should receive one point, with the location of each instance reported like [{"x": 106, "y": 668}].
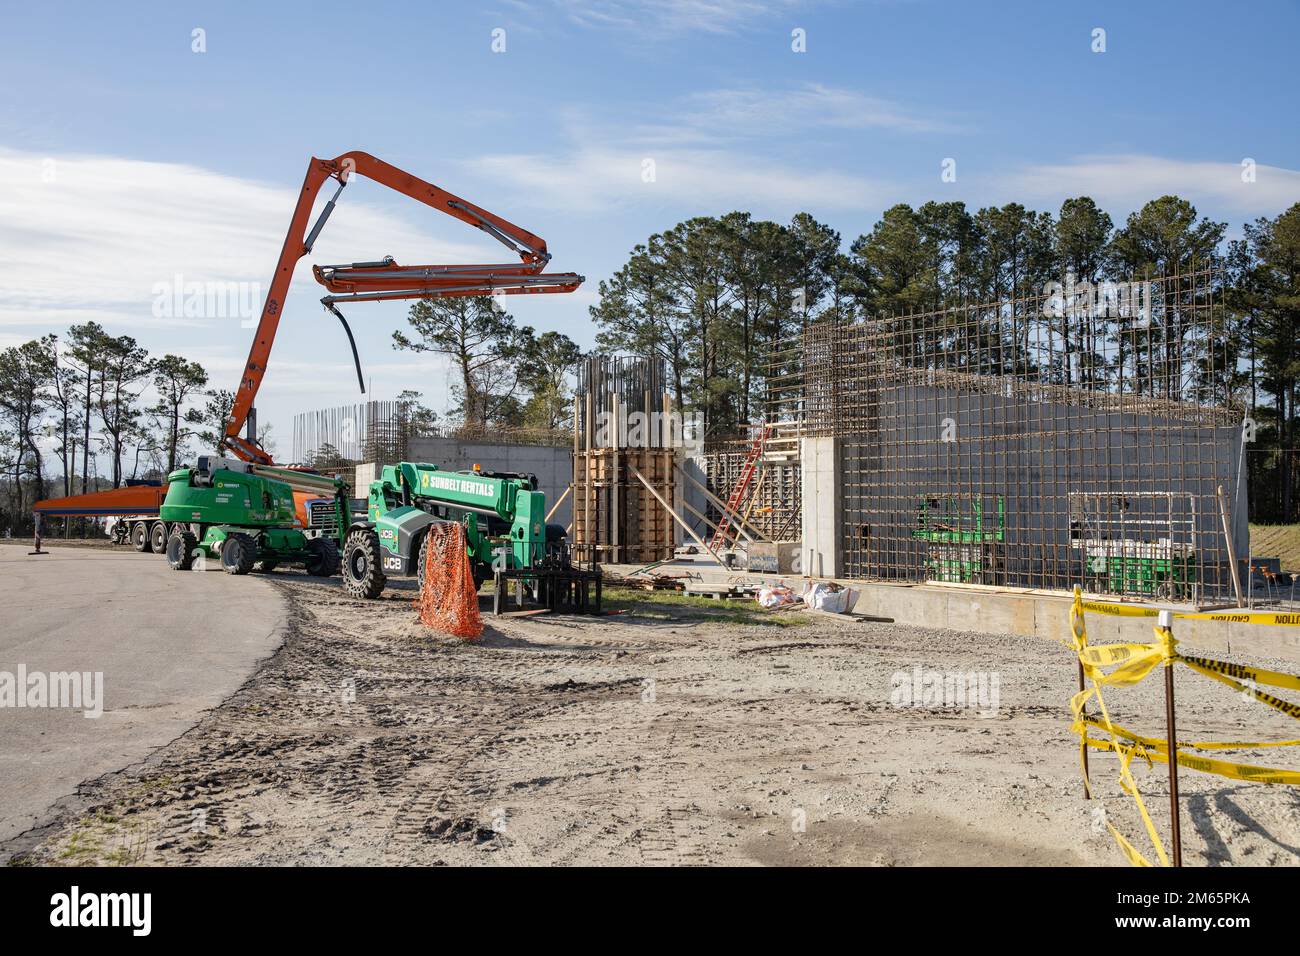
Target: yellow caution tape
[
  {"x": 1238, "y": 771},
  {"x": 1104, "y": 655},
  {"x": 1139, "y": 662},
  {"x": 1257, "y": 675},
  {"x": 1132, "y": 671},
  {"x": 1277, "y": 703},
  {"x": 1246, "y": 617},
  {"x": 1162, "y": 746},
  {"x": 1130, "y": 851},
  {"x": 1222, "y": 768},
  {"x": 1131, "y": 663},
  {"x": 1120, "y": 610},
  {"x": 1279, "y": 619}
]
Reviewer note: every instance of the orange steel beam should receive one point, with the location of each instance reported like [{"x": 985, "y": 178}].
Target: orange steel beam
[{"x": 135, "y": 500}]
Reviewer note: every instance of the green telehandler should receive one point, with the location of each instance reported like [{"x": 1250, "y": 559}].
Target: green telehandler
[
  {"x": 506, "y": 534},
  {"x": 245, "y": 514}
]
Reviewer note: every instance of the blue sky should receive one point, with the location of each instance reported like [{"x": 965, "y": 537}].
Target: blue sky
[{"x": 127, "y": 159}]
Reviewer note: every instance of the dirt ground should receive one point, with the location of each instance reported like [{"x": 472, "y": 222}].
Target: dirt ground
[{"x": 681, "y": 732}]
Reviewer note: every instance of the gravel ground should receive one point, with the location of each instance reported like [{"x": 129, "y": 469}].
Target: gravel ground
[{"x": 680, "y": 732}]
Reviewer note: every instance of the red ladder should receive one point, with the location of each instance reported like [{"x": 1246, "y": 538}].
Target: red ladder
[{"x": 722, "y": 536}]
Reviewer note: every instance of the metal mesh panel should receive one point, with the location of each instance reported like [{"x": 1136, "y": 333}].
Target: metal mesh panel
[{"x": 1078, "y": 436}]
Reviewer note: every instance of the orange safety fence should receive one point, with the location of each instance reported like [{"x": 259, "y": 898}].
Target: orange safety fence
[{"x": 449, "y": 600}]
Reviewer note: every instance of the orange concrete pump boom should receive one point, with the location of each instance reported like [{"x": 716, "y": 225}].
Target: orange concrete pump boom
[{"x": 384, "y": 279}]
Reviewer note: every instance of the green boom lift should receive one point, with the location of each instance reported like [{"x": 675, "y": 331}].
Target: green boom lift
[
  {"x": 506, "y": 534},
  {"x": 962, "y": 547},
  {"x": 244, "y": 513}
]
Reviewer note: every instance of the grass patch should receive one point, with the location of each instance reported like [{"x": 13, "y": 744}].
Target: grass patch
[
  {"x": 676, "y": 606},
  {"x": 150, "y": 785},
  {"x": 102, "y": 839},
  {"x": 1277, "y": 541},
  {"x": 83, "y": 846}
]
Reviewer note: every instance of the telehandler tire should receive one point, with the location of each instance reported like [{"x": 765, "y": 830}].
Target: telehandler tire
[
  {"x": 363, "y": 569},
  {"x": 238, "y": 552},
  {"x": 324, "y": 561},
  {"x": 180, "y": 550},
  {"x": 421, "y": 561}
]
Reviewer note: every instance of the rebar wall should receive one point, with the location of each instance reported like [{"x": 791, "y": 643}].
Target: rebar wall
[
  {"x": 1079, "y": 435},
  {"x": 343, "y": 436},
  {"x": 382, "y": 432},
  {"x": 619, "y": 386}
]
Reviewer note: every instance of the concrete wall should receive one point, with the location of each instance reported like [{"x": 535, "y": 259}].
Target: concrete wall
[
  {"x": 1048, "y": 616},
  {"x": 553, "y": 466},
  {"x": 823, "y": 506},
  {"x": 693, "y": 465}
]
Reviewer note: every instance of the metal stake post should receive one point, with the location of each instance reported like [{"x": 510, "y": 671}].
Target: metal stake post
[{"x": 1166, "y": 619}]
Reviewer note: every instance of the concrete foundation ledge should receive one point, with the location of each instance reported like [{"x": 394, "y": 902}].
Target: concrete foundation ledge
[
  {"x": 1048, "y": 616},
  {"x": 1011, "y": 611}
]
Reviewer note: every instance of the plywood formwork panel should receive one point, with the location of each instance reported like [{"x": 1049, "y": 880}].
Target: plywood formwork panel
[
  {"x": 621, "y": 428},
  {"x": 617, "y": 520}
]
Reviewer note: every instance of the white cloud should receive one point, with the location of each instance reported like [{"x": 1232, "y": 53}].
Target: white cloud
[
  {"x": 86, "y": 237},
  {"x": 756, "y": 112},
  {"x": 747, "y": 148},
  {"x": 1129, "y": 181},
  {"x": 591, "y": 179},
  {"x": 91, "y": 243},
  {"x": 673, "y": 16}
]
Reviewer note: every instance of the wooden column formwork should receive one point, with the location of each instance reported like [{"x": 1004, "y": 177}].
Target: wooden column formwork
[
  {"x": 624, "y": 424},
  {"x": 616, "y": 519}
]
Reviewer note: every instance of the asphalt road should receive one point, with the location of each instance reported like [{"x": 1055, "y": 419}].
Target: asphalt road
[{"x": 170, "y": 645}]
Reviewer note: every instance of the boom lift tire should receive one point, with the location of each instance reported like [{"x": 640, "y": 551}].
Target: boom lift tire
[
  {"x": 363, "y": 569},
  {"x": 180, "y": 550},
  {"x": 238, "y": 553},
  {"x": 158, "y": 537},
  {"x": 140, "y": 537},
  {"x": 324, "y": 561}
]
